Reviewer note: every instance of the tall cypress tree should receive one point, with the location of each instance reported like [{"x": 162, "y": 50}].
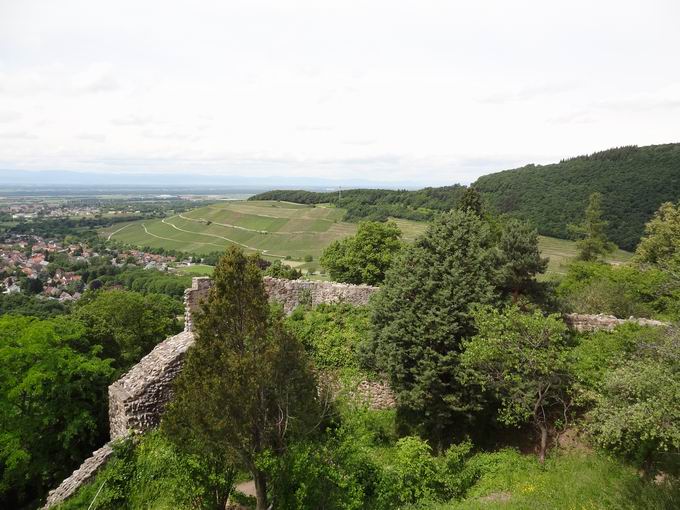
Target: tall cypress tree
[
  {"x": 246, "y": 385},
  {"x": 422, "y": 313}
]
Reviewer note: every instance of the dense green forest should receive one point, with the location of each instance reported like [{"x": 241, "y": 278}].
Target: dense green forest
[
  {"x": 377, "y": 204},
  {"x": 634, "y": 181}
]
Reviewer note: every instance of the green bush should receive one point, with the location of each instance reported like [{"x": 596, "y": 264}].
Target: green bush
[
  {"x": 155, "y": 474},
  {"x": 331, "y": 334},
  {"x": 622, "y": 291}
]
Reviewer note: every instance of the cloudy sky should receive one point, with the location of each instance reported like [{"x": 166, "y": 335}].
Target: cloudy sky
[{"x": 421, "y": 91}]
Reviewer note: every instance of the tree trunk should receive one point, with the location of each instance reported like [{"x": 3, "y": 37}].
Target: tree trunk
[
  {"x": 260, "y": 490},
  {"x": 544, "y": 442}
]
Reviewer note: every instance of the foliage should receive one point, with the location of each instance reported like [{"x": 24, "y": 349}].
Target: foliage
[
  {"x": 635, "y": 181},
  {"x": 661, "y": 244},
  {"x": 149, "y": 281},
  {"x": 156, "y": 474},
  {"x": 506, "y": 479},
  {"x": 597, "y": 353},
  {"x": 592, "y": 241},
  {"x": 471, "y": 200},
  {"x": 127, "y": 325},
  {"x": 520, "y": 259},
  {"x": 622, "y": 291},
  {"x": 422, "y": 313},
  {"x": 524, "y": 358},
  {"x": 246, "y": 384},
  {"x": 23, "y": 304},
  {"x": 364, "y": 257},
  {"x": 277, "y": 269},
  {"x": 331, "y": 334},
  {"x": 636, "y": 408},
  {"x": 377, "y": 204},
  {"x": 52, "y": 404}
]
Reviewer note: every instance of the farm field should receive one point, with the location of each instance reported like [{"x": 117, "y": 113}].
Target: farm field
[
  {"x": 280, "y": 230},
  {"x": 274, "y": 229}
]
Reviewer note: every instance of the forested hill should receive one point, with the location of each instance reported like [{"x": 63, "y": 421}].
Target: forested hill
[
  {"x": 634, "y": 181},
  {"x": 377, "y": 204}
]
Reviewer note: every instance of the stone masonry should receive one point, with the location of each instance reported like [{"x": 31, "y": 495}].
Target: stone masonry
[
  {"x": 137, "y": 400},
  {"x": 80, "y": 476},
  {"x": 586, "y": 323}
]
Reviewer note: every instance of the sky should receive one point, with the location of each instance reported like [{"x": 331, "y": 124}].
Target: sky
[{"x": 427, "y": 91}]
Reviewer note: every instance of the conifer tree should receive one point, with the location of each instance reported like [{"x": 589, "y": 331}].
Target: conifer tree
[
  {"x": 520, "y": 258},
  {"x": 422, "y": 313},
  {"x": 246, "y": 385},
  {"x": 592, "y": 241}
]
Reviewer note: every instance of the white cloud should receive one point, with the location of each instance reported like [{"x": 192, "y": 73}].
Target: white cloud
[
  {"x": 97, "y": 77},
  {"x": 9, "y": 116},
  {"x": 442, "y": 91}
]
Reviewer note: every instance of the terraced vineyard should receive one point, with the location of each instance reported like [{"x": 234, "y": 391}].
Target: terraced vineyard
[
  {"x": 274, "y": 229},
  {"x": 279, "y": 230}
]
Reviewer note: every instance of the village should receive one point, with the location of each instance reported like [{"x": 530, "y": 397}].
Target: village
[{"x": 27, "y": 264}]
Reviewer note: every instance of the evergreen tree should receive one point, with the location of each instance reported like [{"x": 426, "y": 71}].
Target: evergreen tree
[
  {"x": 661, "y": 244},
  {"x": 592, "y": 241},
  {"x": 471, "y": 201},
  {"x": 246, "y": 385},
  {"x": 423, "y": 312},
  {"x": 520, "y": 258}
]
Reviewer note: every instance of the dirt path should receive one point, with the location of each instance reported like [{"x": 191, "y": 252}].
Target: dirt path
[
  {"x": 266, "y": 252},
  {"x": 114, "y": 233}
]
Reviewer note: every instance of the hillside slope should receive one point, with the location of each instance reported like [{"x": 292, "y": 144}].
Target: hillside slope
[{"x": 634, "y": 181}]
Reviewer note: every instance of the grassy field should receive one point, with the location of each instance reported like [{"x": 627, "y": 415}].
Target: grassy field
[
  {"x": 561, "y": 251},
  {"x": 279, "y": 230}
]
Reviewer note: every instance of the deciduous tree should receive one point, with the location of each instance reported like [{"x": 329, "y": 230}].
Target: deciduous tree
[
  {"x": 523, "y": 358},
  {"x": 364, "y": 257}
]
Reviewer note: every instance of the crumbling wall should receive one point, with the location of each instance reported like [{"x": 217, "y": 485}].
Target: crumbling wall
[
  {"x": 138, "y": 399},
  {"x": 587, "y": 323},
  {"x": 291, "y": 293},
  {"x": 80, "y": 476}
]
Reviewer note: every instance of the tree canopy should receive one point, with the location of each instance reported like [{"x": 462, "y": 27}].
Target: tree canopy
[
  {"x": 364, "y": 257},
  {"x": 422, "y": 313}
]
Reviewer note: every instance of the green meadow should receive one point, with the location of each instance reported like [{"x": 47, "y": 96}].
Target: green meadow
[{"x": 280, "y": 230}]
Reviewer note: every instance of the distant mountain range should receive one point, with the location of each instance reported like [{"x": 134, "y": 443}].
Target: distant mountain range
[{"x": 58, "y": 178}]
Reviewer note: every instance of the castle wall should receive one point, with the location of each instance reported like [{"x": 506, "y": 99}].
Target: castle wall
[{"x": 138, "y": 399}]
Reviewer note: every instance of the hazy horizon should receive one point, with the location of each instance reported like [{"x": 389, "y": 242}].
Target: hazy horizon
[{"x": 394, "y": 93}]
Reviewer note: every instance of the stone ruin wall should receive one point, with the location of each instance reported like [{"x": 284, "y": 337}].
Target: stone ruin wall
[
  {"x": 137, "y": 400},
  {"x": 587, "y": 323}
]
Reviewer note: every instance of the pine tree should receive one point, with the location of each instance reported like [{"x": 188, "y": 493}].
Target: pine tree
[
  {"x": 246, "y": 385},
  {"x": 520, "y": 258},
  {"x": 471, "y": 201},
  {"x": 423, "y": 312},
  {"x": 592, "y": 241}
]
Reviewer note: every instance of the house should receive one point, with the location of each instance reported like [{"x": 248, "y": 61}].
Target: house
[{"x": 13, "y": 289}]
